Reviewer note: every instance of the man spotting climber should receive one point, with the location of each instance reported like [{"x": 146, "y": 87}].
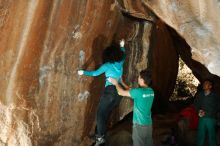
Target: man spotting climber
[{"x": 143, "y": 98}]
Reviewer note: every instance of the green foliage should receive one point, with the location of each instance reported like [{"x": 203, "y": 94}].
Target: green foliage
[{"x": 186, "y": 83}]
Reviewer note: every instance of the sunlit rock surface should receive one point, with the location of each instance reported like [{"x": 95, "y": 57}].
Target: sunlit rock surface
[
  {"x": 197, "y": 22},
  {"x": 186, "y": 83}
]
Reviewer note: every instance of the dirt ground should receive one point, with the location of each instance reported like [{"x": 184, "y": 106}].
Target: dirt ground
[{"x": 120, "y": 134}]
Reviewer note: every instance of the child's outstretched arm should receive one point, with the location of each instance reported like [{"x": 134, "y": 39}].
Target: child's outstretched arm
[{"x": 97, "y": 72}]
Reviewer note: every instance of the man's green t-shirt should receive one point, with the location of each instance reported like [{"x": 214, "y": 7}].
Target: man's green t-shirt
[{"x": 143, "y": 100}]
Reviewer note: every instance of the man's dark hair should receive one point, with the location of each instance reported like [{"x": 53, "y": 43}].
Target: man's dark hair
[
  {"x": 210, "y": 81},
  {"x": 146, "y": 76},
  {"x": 113, "y": 54}
]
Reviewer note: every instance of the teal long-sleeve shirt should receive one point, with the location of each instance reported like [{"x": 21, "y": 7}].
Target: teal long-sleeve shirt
[{"x": 113, "y": 70}]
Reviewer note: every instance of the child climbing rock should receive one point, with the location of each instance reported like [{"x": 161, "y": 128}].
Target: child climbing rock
[{"x": 113, "y": 59}]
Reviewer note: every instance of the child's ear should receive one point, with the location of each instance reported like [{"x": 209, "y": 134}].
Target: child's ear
[{"x": 142, "y": 80}]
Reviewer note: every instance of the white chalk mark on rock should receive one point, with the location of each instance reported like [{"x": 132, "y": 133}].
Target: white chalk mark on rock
[
  {"x": 43, "y": 73},
  {"x": 81, "y": 57},
  {"x": 83, "y": 96}
]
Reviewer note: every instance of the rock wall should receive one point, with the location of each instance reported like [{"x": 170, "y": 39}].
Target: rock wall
[
  {"x": 43, "y": 44},
  {"x": 138, "y": 42},
  {"x": 164, "y": 64},
  {"x": 193, "y": 30},
  {"x": 198, "y": 69},
  {"x": 196, "y": 22}
]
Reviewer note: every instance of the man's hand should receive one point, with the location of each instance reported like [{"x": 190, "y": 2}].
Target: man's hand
[
  {"x": 122, "y": 43},
  {"x": 80, "y": 72},
  {"x": 120, "y": 90},
  {"x": 127, "y": 87},
  {"x": 113, "y": 81}
]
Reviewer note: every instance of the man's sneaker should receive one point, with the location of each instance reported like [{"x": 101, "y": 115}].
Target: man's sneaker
[{"x": 99, "y": 141}]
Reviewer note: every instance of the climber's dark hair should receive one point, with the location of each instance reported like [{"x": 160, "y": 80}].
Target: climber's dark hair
[
  {"x": 112, "y": 54},
  {"x": 146, "y": 76}
]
